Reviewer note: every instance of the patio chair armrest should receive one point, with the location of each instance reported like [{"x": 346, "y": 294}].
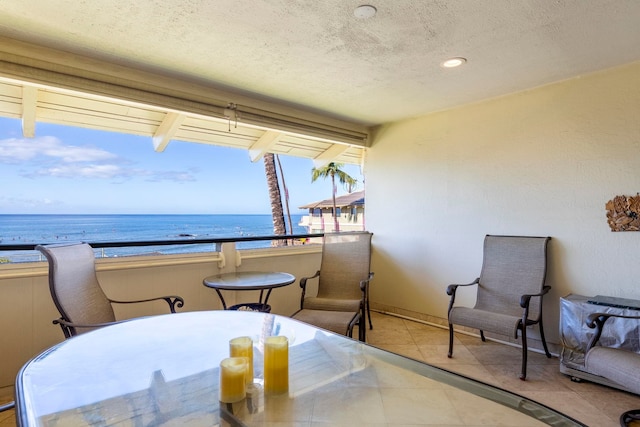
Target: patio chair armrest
[
  {"x": 451, "y": 289},
  {"x": 364, "y": 287},
  {"x": 173, "y": 301},
  {"x": 364, "y": 284},
  {"x": 67, "y": 326},
  {"x": 303, "y": 280},
  {"x": 597, "y": 321},
  {"x": 7, "y": 406},
  {"x": 303, "y": 286},
  {"x": 526, "y": 298},
  {"x": 83, "y": 325}
]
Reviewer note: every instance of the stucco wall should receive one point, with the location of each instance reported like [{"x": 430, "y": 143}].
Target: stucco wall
[{"x": 541, "y": 162}]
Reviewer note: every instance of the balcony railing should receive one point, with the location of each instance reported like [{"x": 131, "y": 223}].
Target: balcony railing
[
  {"x": 27, "y": 253},
  {"x": 30, "y": 309}
]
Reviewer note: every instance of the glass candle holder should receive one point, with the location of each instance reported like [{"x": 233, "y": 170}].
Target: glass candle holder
[
  {"x": 233, "y": 384},
  {"x": 276, "y": 365},
  {"x": 243, "y": 347}
]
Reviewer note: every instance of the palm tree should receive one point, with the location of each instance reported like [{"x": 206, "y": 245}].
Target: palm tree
[
  {"x": 279, "y": 228},
  {"x": 332, "y": 170},
  {"x": 286, "y": 194}
]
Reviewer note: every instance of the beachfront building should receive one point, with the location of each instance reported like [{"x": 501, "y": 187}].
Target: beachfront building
[{"x": 349, "y": 210}]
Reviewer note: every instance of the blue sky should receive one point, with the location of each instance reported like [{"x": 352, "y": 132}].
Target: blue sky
[{"x": 67, "y": 170}]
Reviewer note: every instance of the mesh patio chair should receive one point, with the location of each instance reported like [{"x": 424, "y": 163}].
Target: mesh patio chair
[
  {"x": 509, "y": 291},
  {"x": 343, "y": 285},
  {"x": 76, "y": 292},
  {"x": 617, "y": 364}
]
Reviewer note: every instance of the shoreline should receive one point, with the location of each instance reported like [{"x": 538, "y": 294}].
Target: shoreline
[{"x": 60, "y": 228}]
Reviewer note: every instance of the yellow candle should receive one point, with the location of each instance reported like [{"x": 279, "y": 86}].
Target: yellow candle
[
  {"x": 233, "y": 371},
  {"x": 243, "y": 347},
  {"x": 276, "y": 365}
]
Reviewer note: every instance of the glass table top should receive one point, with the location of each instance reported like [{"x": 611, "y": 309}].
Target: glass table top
[
  {"x": 249, "y": 280},
  {"x": 164, "y": 370}
]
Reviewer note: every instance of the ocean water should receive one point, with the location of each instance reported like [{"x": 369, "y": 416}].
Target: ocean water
[{"x": 42, "y": 229}]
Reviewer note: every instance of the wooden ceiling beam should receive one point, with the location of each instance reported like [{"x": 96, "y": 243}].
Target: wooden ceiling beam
[
  {"x": 29, "y": 104},
  {"x": 329, "y": 155},
  {"x": 263, "y": 144},
  {"x": 167, "y": 130},
  {"x": 33, "y": 102}
]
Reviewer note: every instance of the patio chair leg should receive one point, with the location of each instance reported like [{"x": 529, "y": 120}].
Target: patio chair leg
[
  {"x": 482, "y": 336},
  {"x": 362, "y": 325},
  {"x": 523, "y": 374},
  {"x": 450, "y": 354},
  {"x": 544, "y": 341},
  {"x": 7, "y": 406},
  {"x": 629, "y": 417}
]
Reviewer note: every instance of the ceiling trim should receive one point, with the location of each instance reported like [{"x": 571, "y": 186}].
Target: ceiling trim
[
  {"x": 37, "y": 102},
  {"x": 84, "y": 92},
  {"x": 58, "y": 69}
]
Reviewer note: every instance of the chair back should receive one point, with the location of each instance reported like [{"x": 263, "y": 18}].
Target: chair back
[
  {"x": 512, "y": 266},
  {"x": 346, "y": 260},
  {"x": 74, "y": 285}
]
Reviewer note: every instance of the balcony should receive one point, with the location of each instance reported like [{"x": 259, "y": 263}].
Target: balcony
[{"x": 29, "y": 310}]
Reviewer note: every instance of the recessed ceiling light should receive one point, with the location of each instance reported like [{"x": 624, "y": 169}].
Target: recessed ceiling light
[
  {"x": 453, "y": 62},
  {"x": 365, "y": 11}
]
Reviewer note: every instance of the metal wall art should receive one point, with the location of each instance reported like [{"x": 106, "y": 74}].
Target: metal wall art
[{"x": 623, "y": 213}]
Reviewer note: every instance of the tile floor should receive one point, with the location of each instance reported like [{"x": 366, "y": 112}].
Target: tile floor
[
  {"x": 493, "y": 363},
  {"x": 7, "y": 418},
  {"x": 499, "y": 365}
]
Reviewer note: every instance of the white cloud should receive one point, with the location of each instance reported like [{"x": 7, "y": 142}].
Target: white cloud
[
  {"x": 108, "y": 171},
  {"x": 48, "y": 156},
  {"x": 174, "y": 176},
  {"x": 15, "y": 150},
  {"x": 72, "y": 153},
  {"x": 12, "y": 202},
  {"x": 80, "y": 171}
]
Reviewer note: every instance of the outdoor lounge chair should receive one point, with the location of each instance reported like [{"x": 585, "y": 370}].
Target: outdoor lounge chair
[
  {"x": 619, "y": 365},
  {"x": 509, "y": 291},
  {"x": 76, "y": 292},
  {"x": 343, "y": 285}
]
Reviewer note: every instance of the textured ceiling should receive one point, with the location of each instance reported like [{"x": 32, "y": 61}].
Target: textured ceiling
[{"x": 317, "y": 55}]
